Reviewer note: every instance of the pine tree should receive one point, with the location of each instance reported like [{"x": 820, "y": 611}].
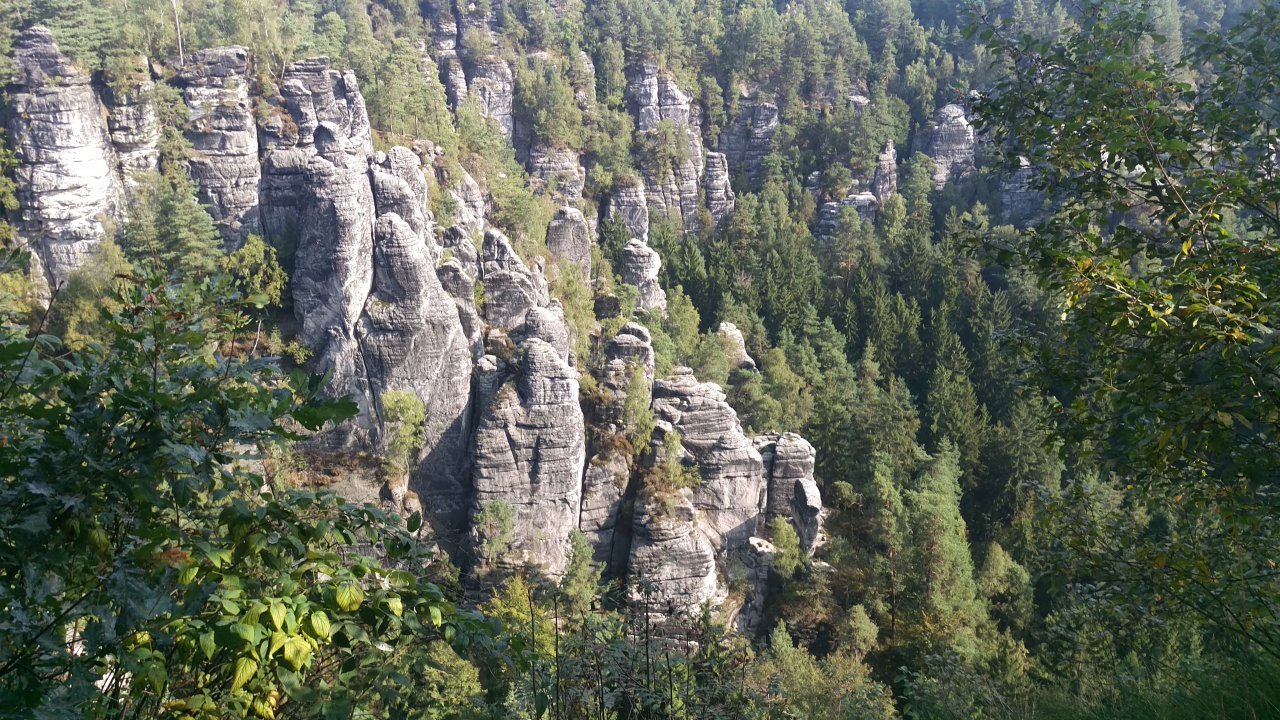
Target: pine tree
[{"x": 947, "y": 610}]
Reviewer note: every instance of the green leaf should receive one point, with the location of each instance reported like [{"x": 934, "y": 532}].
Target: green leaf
[
  {"x": 208, "y": 645},
  {"x": 278, "y": 640},
  {"x": 415, "y": 522},
  {"x": 319, "y": 624},
  {"x": 395, "y": 606},
  {"x": 436, "y": 617},
  {"x": 277, "y": 614},
  {"x": 296, "y": 652},
  {"x": 313, "y": 416},
  {"x": 245, "y": 669},
  {"x": 349, "y": 597}
]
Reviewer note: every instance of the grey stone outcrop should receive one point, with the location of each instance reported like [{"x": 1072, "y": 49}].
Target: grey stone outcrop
[
  {"x": 885, "y": 183},
  {"x": 952, "y": 146},
  {"x": 67, "y": 185},
  {"x": 511, "y": 288},
  {"x": 224, "y": 139},
  {"x": 640, "y": 267},
  {"x": 748, "y": 139},
  {"x": 569, "y": 239},
  {"x": 529, "y": 452}
]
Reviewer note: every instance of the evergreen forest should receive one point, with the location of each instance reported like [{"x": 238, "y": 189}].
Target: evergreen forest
[{"x": 1008, "y": 269}]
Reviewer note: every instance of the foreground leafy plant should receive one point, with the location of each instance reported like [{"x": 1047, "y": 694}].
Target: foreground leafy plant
[{"x": 146, "y": 568}]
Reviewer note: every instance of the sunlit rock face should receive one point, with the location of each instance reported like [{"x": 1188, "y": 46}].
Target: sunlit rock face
[
  {"x": 952, "y": 147},
  {"x": 528, "y": 453},
  {"x": 224, "y": 139},
  {"x": 68, "y": 188}
]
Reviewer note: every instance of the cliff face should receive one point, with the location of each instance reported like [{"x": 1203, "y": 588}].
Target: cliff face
[
  {"x": 952, "y": 147},
  {"x": 529, "y": 451},
  {"x": 224, "y": 139},
  {"x": 388, "y": 300},
  {"x": 668, "y": 114},
  {"x": 69, "y": 187},
  {"x": 749, "y": 136},
  {"x": 885, "y": 183}
]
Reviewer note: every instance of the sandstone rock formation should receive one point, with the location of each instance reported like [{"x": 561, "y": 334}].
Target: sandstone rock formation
[
  {"x": 792, "y": 491},
  {"x": 66, "y": 174},
  {"x": 831, "y": 214},
  {"x": 952, "y": 146},
  {"x": 134, "y": 126},
  {"x": 655, "y": 99},
  {"x": 491, "y": 88},
  {"x": 628, "y": 358},
  {"x": 640, "y": 267},
  {"x": 629, "y": 206},
  {"x": 671, "y": 556},
  {"x": 720, "y": 198},
  {"x": 885, "y": 183},
  {"x": 749, "y": 136},
  {"x": 735, "y": 347},
  {"x": 569, "y": 239},
  {"x": 528, "y": 452},
  {"x": 557, "y": 172},
  {"x": 510, "y": 287},
  {"x": 224, "y": 139},
  {"x": 1019, "y": 200},
  {"x": 310, "y": 93},
  {"x": 731, "y": 494}
]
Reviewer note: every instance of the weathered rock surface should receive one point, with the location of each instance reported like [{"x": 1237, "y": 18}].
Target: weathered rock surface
[
  {"x": 604, "y": 487},
  {"x": 66, "y": 176},
  {"x": 749, "y": 136},
  {"x": 885, "y": 183},
  {"x": 529, "y": 452},
  {"x": 310, "y": 93},
  {"x": 952, "y": 146},
  {"x": 510, "y": 287},
  {"x": 832, "y": 214},
  {"x": 569, "y": 239},
  {"x": 629, "y": 206},
  {"x": 548, "y": 325},
  {"x": 640, "y": 267},
  {"x": 720, "y": 197},
  {"x": 470, "y": 205},
  {"x": 224, "y": 139},
  {"x": 557, "y": 172},
  {"x": 134, "y": 126},
  {"x": 669, "y": 553},
  {"x": 491, "y": 87},
  {"x": 792, "y": 492},
  {"x": 731, "y": 494},
  {"x": 673, "y": 192},
  {"x": 735, "y": 347},
  {"x": 333, "y": 271},
  {"x": 460, "y": 286},
  {"x": 400, "y": 188},
  {"x": 409, "y": 337}
]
